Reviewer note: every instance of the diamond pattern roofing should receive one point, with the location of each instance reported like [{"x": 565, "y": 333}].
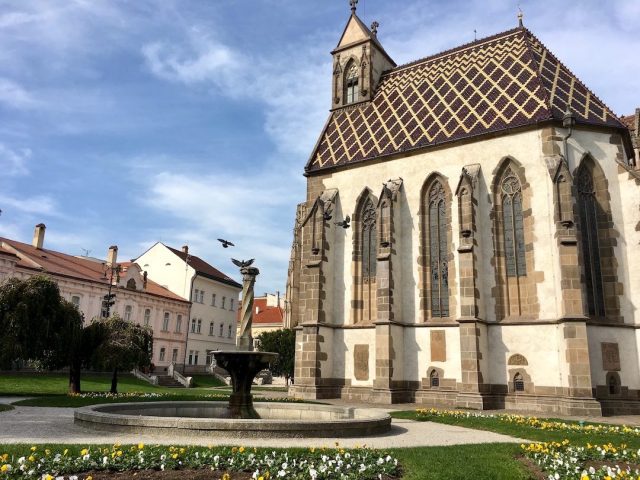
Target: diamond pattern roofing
[{"x": 498, "y": 83}]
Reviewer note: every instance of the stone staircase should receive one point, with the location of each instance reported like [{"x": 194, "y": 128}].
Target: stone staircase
[{"x": 169, "y": 382}]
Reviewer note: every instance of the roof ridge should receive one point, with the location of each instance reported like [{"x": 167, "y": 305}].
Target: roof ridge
[
  {"x": 529, "y": 47},
  {"x": 450, "y": 51},
  {"x": 570, "y": 72}
]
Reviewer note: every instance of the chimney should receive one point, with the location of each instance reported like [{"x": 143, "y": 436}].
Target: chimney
[
  {"x": 112, "y": 256},
  {"x": 38, "y": 235},
  {"x": 185, "y": 249}
]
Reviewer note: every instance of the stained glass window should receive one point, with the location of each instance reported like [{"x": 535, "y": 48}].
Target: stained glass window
[
  {"x": 513, "y": 226},
  {"x": 369, "y": 234},
  {"x": 588, "y": 211},
  {"x": 438, "y": 251}
]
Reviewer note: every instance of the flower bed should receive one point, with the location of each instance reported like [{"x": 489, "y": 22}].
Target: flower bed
[
  {"x": 314, "y": 464},
  {"x": 561, "y": 460},
  {"x": 533, "y": 422}
]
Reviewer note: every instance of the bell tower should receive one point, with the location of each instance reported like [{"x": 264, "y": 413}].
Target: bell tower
[{"x": 358, "y": 62}]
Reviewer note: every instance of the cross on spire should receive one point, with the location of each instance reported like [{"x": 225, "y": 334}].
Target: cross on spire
[
  {"x": 354, "y": 4},
  {"x": 520, "y": 17}
]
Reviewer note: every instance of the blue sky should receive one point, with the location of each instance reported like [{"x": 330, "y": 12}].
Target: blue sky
[{"x": 131, "y": 122}]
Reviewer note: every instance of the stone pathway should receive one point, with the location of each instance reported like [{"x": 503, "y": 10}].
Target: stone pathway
[{"x": 55, "y": 425}]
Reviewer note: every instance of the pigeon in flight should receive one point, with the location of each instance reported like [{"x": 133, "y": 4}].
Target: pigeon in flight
[{"x": 225, "y": 243}]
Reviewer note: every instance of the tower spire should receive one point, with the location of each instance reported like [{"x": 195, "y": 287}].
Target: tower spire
[
  {"x": 520, "y": 17},
  {"x": 354, "y": 4}
]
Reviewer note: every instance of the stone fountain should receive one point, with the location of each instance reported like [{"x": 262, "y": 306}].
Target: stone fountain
[
  {"x": 239, "y": 418},
  {"x": 244, "y": 364}
]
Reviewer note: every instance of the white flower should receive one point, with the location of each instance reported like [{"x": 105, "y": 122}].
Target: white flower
[
  {"x": 313, "y": 473},
  {"x": 105, "y": 460},
  {"x": 282, "y": 473},
  {"x": 21, "y": 460},
  {"x": 362, "y": 468}
]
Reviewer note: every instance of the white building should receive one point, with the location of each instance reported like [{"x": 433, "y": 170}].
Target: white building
[
  {"x": 214, "y": 297},
  {"x": 85, "y": 281}
]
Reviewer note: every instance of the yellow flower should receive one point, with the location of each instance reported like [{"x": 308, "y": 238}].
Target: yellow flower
[
  {"x": 48, "y": 477},
  {"x": 140, "y": 446},
  {"x": 47, "y": 452},
  {"x": 241, "y": 449},
  {"x": 584, "y": 477},
  {"x": 31, "y": 458},
  {"x": 119, "y": 453},
  {"x": 174, "y": 456},
  {"x": 4, "y": 468},
  {"x": 89, "y": 478},
  {"x": 226, "y": 476},
  {"x": 182, "y": 450},
  {"x": 83, "y": 452},
  {"x": 33, "y": 449},
  {"x": 66, "y": 450}
]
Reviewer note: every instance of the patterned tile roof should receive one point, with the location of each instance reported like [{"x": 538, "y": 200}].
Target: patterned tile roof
[{"x": 498, "y": 83}]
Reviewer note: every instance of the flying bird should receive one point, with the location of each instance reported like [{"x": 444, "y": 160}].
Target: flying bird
[
  {"x": 345, "y": 222},
  {"x": 242, "y": 263},
  {"x": 225, "y": 243}
]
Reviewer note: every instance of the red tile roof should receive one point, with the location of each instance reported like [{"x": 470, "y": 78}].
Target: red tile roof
[
  {"x": 506, "y": 81},
  {"x": 57, "y": 263},
  {"x": 267, "y": 315},
  {"x": 204, "y": 269}
]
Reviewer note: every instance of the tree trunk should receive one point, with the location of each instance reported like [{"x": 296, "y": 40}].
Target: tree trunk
[
  {"x": 74, "y": 378},
  {"x": 114, "y": 381}
]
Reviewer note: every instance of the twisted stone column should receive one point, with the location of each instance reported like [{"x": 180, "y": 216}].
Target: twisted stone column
[{"x": 245, "y": 340}]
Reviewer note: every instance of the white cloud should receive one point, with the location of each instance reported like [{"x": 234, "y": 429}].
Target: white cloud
[
  {"x": 39, "y": 205},
  {"x": 14, "y": 95},
  {"x": 14, "y": 163},
  {"x": 200, "y": 59}
]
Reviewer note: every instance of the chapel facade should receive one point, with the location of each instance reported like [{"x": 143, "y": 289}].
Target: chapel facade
[{"x": 469, "y": 236}]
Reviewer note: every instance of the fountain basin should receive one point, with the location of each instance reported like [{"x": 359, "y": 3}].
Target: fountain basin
[{"x": 210, "y": 419}]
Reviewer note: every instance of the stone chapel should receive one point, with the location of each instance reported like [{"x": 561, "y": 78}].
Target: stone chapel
[{"x": 468, "y": 234}]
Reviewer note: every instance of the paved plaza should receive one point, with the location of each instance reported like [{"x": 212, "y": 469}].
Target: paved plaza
[{"x": 55, "y": 425}]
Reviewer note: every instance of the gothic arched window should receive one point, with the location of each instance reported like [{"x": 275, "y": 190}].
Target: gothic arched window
[
  {"x": 588, "y": 212},
  {"x": 365, "y": 256},
  {"x": 369, "y": 234},
  {"x": 439, "y": 267},
  {"x": 351, "y": 83},
  {"x": 513, "y": 226}
]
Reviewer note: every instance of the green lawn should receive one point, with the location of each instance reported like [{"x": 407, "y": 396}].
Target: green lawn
[
  {"x": 50, "y": 389},
  {"x": 479, "y": 462},
  {"x": 207, "y": 381},
  {"x": 526, "y": 432}
]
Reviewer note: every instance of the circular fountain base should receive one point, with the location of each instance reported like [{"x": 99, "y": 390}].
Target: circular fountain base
[{"x": 213, "y": 419}]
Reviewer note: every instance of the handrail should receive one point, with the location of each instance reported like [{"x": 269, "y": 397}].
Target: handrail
[
  {"x": 185, "y": 381},
  {"x": 152, "y": 379}
]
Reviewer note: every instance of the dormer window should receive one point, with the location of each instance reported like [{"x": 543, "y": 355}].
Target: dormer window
[{"x": 351, "y": 83}]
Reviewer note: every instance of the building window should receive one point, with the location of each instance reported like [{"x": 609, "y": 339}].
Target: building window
[
  {"x": 127, "y": 312},
  {"x": 190, "y": 357},
  {"x": 131, "y": 284},
  {"x": 221, "y": 329},
  {"x": 209, "y": 359},
  {"x": 213, "y": 300},
  {"x": 513, "y": 227},
  {"x": 161, "y": 356},
  {"x": 366, "y": 249},
  {"x": 147, "y": 316},
  {"x": 518, "y": 383},
  {"x": 193, "y": 325},
  {"x": 201, "y": 296},
  {"x": 75, "y": 300},
  {"x": 211, "y": 325},
  {"x": 351, "y": 83},
  {"x": 229, "y": 333},
  {"x": 224, "y": 300},
  {"x": 231, "y": 304},
  {"x": 196, "y": 295},
  {"x": 174, "y": 355},
  {"x": 199, "y": 329},
  {"x": 434, "y": 379},
  {"x": 438, "y": 251},
  {"x": 165, "y": 322},
  {"x": 178, "y": 323},
  {"x": 195, "y": 358},
  {"x": 588, "y": 211}
]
